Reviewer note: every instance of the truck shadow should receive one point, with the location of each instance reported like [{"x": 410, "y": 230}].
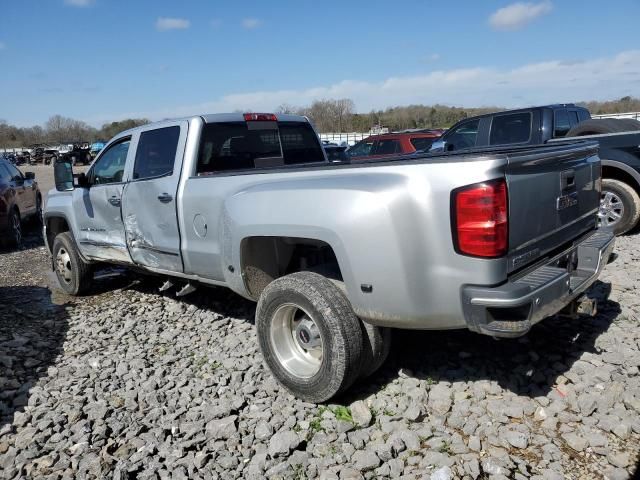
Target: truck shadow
[
  {"x": 32, "y": 333},
  {"x": 528, "y": 366}
]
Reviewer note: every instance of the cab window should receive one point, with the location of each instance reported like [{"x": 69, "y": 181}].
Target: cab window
[
  {"x": 510, "y": 128},
  {"x": 156, "y": 153},
  {"x": 463, "y": 136},
  {"x": 386, "y": 147},
  {"x": 109, "y": 168},
  {"x": 561, "y": 123},
  {"x": 360, "y": 149}
]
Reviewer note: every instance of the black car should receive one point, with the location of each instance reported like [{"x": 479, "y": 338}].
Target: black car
[{"x": 20, "y": 199}]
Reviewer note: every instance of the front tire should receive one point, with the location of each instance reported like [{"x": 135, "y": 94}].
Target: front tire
[
  {"x": 619, "y": 206},
  {"x": 14, "y": 238},
  {"x": 74, "y": 275},
  {"x": 309, "y": 335}
]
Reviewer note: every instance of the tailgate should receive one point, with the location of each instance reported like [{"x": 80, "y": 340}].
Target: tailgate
[{"x": 554, "y": 193}]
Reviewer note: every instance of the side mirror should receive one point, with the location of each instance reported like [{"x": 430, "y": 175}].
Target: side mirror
[
  {"x": 437, "y": 146},
  {"x": 82, "y": 181},
  {"x": 63, "y": 175},
  {"x": 29, "y": 175}
]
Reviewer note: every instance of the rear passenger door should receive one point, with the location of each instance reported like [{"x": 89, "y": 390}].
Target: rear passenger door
[{"x": 149, "y": 200}]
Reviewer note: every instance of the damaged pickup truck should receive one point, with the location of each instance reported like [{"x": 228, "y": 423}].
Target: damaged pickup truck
[{"x": 491, "y": 240}]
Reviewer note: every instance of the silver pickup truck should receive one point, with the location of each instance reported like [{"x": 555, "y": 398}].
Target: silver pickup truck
[{"x": 492, "y": 240}]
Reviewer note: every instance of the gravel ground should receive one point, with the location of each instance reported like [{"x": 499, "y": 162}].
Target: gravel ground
[{"x": 129, "y": 383}]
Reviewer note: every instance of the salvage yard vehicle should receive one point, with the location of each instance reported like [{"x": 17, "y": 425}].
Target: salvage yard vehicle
[
  {"x": 492, "y": 240},
  {"x": 392, "y": 144},
  {"x": 619, "y": 141},
  {"x": 79, "y": 153},
  {"x": 20, "y": 199}
]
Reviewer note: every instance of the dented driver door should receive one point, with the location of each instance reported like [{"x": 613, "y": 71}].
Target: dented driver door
[
  {"x": 149, "y": 198},
  {"x": 97, "y": 205}
]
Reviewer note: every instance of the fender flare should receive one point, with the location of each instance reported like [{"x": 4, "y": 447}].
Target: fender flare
[{"x": 624, "y": 167}]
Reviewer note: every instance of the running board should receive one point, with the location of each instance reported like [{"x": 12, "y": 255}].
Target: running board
[{"x": 186, "y": 290}]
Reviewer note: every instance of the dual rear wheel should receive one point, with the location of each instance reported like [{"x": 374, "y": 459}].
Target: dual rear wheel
[{"x": 311, "y": 339}]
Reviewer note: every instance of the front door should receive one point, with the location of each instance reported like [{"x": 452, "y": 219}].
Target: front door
[
  {"x": 149, "y": 199},
  {"x": 97, "y": 208}
]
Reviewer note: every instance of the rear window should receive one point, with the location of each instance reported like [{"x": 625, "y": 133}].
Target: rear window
[
  {"x": 583, "y": 115},
  {"x": 422, "y": 143},
  {"x": 511, "y": 128},
  {"x": 244, "y": 146}
]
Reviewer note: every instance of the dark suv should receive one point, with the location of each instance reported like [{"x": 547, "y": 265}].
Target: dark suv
[{"x": 20, "y": 199}]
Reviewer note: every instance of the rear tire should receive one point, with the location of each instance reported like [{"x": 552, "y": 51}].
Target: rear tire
[
  {"x": 619, "y": 206},
  {"x": 289, "y": 309},
  {"x": 74, "y": 275},
  {"x": 376, "y": 346}
]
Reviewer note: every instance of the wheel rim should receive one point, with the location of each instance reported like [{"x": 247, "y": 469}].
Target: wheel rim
[
  {"x": 16, "y": 227},
  {"x": 63, "y": 265},
  {"x": 611, "y": 209},
  {"x": 296, "y": 341}
]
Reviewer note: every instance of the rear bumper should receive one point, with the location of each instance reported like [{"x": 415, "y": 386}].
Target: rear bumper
[{"x": 511, "y": 309}]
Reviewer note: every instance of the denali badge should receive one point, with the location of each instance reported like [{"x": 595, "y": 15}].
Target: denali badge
[{"x": 566, "y": 201}]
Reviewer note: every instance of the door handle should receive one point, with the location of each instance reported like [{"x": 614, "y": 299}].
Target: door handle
[
  {"x": 165, "y": 198},
  {"x": 115, "y": 201}
]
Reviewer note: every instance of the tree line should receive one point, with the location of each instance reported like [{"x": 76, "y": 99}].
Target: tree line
[
  {"x": 59, "y": 129},
  {"x": 330, "y": 115},
  {"x": 337, "y": 116}
]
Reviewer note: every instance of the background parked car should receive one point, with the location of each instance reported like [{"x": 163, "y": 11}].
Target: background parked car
[
  {"x": 336, "y": 153},
  {"x": 20, "y": 199},
  {"x": 389, "y": 144},
  {"x": 80, "y": 153}
]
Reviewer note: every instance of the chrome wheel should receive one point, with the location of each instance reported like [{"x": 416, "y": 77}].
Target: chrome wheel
[
  {"x": 296, "y": 340},
  {"x": 611, "y": 209},
  {"x": 63, "y": 266}
]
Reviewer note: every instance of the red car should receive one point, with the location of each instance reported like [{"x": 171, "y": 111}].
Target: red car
[
  {"x": 380, "y": 146},
  {"x": 19, "y": 199}
]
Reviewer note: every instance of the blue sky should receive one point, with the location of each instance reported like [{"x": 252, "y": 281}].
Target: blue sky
[{"x": 102, "y": 60}]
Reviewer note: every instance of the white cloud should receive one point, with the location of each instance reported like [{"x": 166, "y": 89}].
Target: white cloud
[
  {"x": 3, "y": 45},
  {"x": 434, "y": 57},
  {"x": 79, "y": 3},
  {"x": 517, "y": 15},
  {"x": 164, "y": 24},
  {"x": 216, "y": 22},
  {"x": 531, "y": 84},
  {"x": 251, "y": 23}
]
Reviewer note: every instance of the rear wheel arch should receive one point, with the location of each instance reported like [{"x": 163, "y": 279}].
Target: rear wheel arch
[
  {"x": 266, "y": 258},
  {"x": 623, "y": 173}
]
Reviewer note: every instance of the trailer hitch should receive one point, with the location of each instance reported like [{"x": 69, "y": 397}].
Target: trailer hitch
[{"x": 583, "y": 305}]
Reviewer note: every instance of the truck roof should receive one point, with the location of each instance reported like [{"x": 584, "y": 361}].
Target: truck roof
[{"x": 215, "y": 118}]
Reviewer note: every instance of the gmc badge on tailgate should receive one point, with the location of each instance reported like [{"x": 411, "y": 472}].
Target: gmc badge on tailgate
[{"x": 566, "y": 201}]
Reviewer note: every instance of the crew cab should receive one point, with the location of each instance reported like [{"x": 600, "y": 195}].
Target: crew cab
[
  {"x": 392, "y": 144},
  {"x": 619, "y": 141},
  {"x": 492, "y": 240}
]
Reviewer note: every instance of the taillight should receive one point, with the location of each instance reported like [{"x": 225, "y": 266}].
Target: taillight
[
  {"x": 260, "y": 117},
  {"x": 480, "y": 218}
]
